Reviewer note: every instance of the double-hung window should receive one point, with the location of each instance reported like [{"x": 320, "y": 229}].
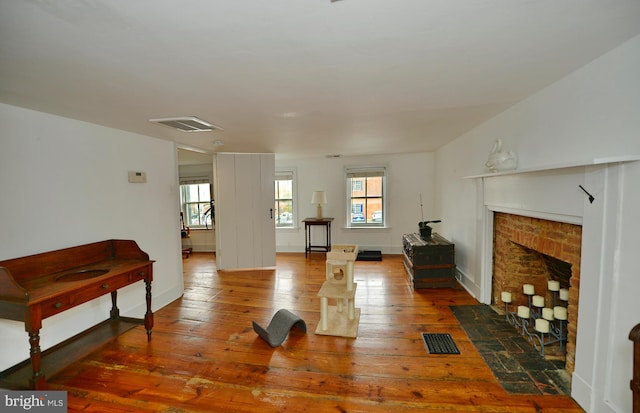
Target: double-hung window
[
  {"x": 366, "y": 188},
  {"x": 196, "y": 203},
  {"x": 284, "y": 196}
]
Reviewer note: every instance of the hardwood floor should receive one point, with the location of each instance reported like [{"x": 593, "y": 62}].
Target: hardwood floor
[{"x": 204, "y": 355}]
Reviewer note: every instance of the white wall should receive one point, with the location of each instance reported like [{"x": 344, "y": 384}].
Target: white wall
[
  {"x": 408, "y": 175},
  {"x": 201, "y": 240},
  {"x": 623, "y": 298},
  {"x": 592, "y": 113},
  {"x": 64, "y": 183}
]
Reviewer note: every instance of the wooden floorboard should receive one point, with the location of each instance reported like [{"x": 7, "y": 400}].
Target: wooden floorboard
[
  {"x": 204, "y": 355},
  {"x": 56, "y": 358}
]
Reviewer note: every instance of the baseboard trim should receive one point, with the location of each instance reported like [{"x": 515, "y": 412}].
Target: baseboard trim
[
  {"x": 466, "y": 283},
  {"x": 581, "y": 391}
]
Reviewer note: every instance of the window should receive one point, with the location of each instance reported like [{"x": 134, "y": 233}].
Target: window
[
  {"x": 284, "y": 199},
  {"x": 365, "y": 192},
  {"x": 196, "y": 203}
]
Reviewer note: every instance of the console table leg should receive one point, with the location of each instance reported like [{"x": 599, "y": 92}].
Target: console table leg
[
  {"x": 115, "y": 312},
  {"x": 148, "y": 317},
  {"x": 37, "y": 379}
]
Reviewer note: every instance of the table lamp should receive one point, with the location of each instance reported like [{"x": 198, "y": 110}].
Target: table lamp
[{"x": 319, "y": 198}]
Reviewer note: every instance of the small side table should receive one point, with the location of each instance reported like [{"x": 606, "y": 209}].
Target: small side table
[{"x": 308, "y": 223}]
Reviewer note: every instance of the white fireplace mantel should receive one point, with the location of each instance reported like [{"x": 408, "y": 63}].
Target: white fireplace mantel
[
  {"x": 595, "y": 161},
  {"x": 553, "y": 193}
]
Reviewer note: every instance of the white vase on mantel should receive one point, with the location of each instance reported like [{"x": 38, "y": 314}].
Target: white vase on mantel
[{"x": 500, "y": 160}]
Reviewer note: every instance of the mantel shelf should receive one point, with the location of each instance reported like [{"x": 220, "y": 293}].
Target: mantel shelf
[{"x": 595, "y": 161}]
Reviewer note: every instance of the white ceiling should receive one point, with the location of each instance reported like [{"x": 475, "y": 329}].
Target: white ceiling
[{"x": 299, "y": 77}]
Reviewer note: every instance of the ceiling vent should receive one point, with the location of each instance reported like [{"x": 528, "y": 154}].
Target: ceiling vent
[{"x": 187, "y": 124}]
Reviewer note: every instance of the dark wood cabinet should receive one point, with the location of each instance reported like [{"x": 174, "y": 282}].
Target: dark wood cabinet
[
  {"x": 39, "y": 286},
  {"x": 430, "y": 263}
]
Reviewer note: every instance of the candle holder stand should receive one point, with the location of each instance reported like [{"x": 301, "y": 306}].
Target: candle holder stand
[
  {"x": 536, "y": 311},
  {"x": 526, "y": 326}
]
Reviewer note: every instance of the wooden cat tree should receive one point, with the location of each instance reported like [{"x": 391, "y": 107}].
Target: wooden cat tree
[{"x": 339, "y": 286}]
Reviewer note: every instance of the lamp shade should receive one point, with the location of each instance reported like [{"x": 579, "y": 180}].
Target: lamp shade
[{"x": 319, "y": 197}]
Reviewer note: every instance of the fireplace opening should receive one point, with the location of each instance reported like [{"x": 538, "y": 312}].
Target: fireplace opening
[
  {"x": 558, "y": 270},
  {"x": 535, "y": 251}
]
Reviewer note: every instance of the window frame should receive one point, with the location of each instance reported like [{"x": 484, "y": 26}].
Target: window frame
[
  {"x": 184, "y": 204},
  {"x": 286, "y": 173},
  {"x": 366, "y": 171}
]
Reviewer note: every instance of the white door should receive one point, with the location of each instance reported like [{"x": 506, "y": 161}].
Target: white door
[{"x": 245, "y": 226}]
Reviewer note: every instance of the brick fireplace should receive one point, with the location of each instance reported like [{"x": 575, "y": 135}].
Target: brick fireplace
[{"x": 532, "y": 251}]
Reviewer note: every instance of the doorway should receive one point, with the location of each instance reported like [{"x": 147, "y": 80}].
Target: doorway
[{"x": 197, "y": 205}]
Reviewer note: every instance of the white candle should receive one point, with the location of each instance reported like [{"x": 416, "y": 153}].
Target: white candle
[
  {"x": 547, "y": 313},
  {"x": 538, "y": 301},
  {"x": 560, "y": 312},
  {"x": 506, "y": 297},
  {"x": 528, "y": 289},
  {"x": 523, "y": 311},
  {"x": 564, "y": 294},
  {"x": 553, "y": 285},
  {"x": 542, "y": 325}
]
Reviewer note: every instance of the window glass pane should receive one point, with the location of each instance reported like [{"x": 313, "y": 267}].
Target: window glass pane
[
  {"x": 357, "y": 187},
  {"x": 193, "y": 214},
  {"x": 203, "y": 192},
  {"x": 366, "y": 203},
  {"x": 284, "y": 216},
  {"x": 374, "y": 210},
  {"x": 197, "y": 205},
  {"x": 284, "y": 200},
  {"x": 284, "y": 189},
  {"x": 374, "y": 186},
  {"x": 357, "y": 210},
  {"x": 192, "y": 193}
]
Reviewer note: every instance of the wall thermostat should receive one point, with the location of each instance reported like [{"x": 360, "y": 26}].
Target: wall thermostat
[{"x": 137, "y": 177}]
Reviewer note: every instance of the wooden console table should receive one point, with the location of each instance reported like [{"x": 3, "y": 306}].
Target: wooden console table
[
  {"x": 35, "y": 287},
  {"x": 311, "y": 222}
]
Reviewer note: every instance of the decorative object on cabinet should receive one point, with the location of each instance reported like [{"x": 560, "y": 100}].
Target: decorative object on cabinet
[{"x": 425, "y": 230}]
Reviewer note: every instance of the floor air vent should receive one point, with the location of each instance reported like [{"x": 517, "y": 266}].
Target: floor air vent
[{"x": 440, "y": 343}]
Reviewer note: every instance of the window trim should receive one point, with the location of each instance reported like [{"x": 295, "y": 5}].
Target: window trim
[
  {"x": 361, "y": 171},
  {"x": 195, "y": 181},
  {"x": 289, "y": 171}
]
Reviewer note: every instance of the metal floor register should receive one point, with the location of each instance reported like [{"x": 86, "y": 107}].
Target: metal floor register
[{"x": 439, "y": 343}]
